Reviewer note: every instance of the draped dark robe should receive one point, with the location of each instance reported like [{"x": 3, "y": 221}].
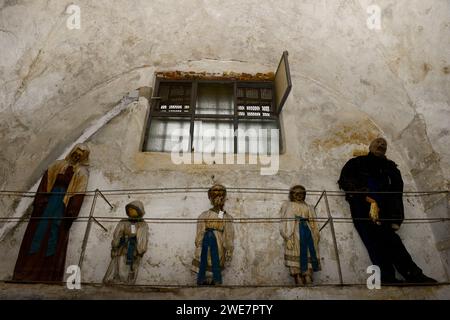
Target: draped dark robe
[
  {"x": 38, "y": 266},
  {"x": 368, "y": 174},
  {"x": 361, "y": 177}
]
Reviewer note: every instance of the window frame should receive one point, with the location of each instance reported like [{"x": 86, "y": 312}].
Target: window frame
[{"x": 192, "y": 116}]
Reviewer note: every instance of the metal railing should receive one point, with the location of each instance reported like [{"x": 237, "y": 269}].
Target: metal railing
[{"x": 323, "y": 196}]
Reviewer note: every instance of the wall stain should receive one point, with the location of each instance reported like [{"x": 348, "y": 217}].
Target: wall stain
[
  {"x": 426, "y": 68},
  {"x": 362, "y": 132}
]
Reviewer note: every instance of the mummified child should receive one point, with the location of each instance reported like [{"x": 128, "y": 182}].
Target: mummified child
[
  {"x": 301, "y": 236},
  {"x": 128, "y": 246},
  {"x": 214, "y": 239}
]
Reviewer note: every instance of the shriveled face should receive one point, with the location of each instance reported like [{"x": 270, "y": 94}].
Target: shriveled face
[
  {"x": 132, "y": 213},
  {"x": 76, "y": 155},
  {"x": 378, "y": 147},
  {"x": 217, "y": 196},
  {"x": 297, "y": 194}
]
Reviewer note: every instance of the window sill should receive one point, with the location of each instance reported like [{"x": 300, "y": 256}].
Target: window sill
[{"x": 147, "y": 160}]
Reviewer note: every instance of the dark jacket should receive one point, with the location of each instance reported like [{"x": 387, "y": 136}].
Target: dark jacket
[{"x": 366, "y": 174}]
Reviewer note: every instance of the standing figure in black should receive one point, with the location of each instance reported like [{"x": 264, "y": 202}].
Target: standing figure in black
[{"x": 376, "y": 206}]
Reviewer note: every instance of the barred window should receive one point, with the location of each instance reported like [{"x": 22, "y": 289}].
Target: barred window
[
  {"x": 218, "y": 112},
  {"x": 175, "y": 97}
]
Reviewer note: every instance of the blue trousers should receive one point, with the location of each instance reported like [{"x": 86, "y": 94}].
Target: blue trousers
[
  {"x": 307, "y": 244},
  {"x": 209, "y": 242}
]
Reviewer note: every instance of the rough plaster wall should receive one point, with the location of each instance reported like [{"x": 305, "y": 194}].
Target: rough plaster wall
[
  {"x": 49, "y": 71},
  {"x": 350, "y": 84}
]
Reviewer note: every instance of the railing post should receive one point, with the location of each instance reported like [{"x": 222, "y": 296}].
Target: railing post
[
  {"x": 88, "y": 230},
  {"x": 104, "y": 198},
  {"x": 320, "y": 198},
  {"x": 333, "y": 234}
]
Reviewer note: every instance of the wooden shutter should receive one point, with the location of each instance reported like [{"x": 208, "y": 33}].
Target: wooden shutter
[{"x": 282, "y": 83}]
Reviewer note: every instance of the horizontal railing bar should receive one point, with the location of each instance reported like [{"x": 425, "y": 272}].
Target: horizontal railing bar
[{"x": 232, "y": 190}]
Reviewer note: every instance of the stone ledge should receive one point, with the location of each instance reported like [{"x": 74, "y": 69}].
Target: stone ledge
[{"x": 326, "y": 292}]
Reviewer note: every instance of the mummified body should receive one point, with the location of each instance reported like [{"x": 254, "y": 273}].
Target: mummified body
[
  {"x": 301, "y": 237},
  {"x": 128, "y": 246},
  {"x": 42, "y": 254},
  {"x": 214, "y": 239},
  {"x": 374, "y": 187}
]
